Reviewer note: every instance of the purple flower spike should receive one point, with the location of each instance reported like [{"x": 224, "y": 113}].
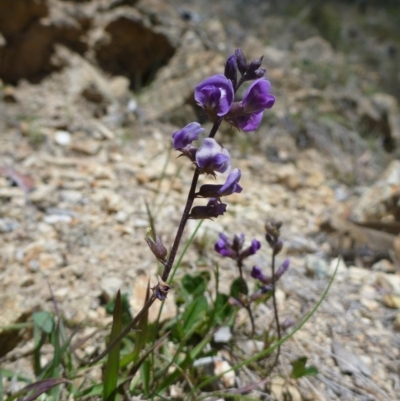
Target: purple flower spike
[
  {"x": 211, "y": 157},
  {"x": 186, "y": 135},
  {"x": 215, "y": 95},
  {"x": 215, "y": 191},
  {"x": 257, "y": 97}
]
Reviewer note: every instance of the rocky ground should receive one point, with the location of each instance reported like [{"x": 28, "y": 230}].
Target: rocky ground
[{"x": 86, "y": 117}]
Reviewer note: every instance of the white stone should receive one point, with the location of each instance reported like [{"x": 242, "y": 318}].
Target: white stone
[{"x": 62, "y": 138}]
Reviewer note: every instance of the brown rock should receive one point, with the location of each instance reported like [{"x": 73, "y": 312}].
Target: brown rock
[
  {"x": 88, "y": 147},
  {"x": 14, "y": 310},
  {"x": 392, "y": 301},
  {"x": 379, "y": 201},
  {"x": 119, "y": 53}
]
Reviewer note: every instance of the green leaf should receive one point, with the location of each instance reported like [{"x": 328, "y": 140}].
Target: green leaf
[
  {"x": 145, "y": 375},
  {"x": 126, "y": 316},
  {"x": 44, "y": 321},
  {"x": 112, "y": 365},
  {"x": 222, "y": 310},
  {"x": 194, "y": 312},
  {"x": 300, "y": 369},
  {"x": 195, "y": 285},
  {"x": 238, "y": 287}
]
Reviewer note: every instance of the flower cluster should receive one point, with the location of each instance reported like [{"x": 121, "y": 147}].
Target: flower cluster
[
  {"x": 234, "y": 249},
  {"x": 216, "y": 96},
  {"x": 272, "y": 236}
]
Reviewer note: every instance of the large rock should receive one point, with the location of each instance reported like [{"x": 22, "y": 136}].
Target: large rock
[
  {"x": 30, "y": 30},
  {"x": 381, "y": 200},
  {"x": 138, "y": 41}
]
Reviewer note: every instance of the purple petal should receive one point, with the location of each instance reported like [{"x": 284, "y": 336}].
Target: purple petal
[
  {"x": 186, "y": 135},
  {"x": 212, "y": 157},
  {"x": 255, "y": 246},
  {"x": 257, "y": 97},
  {"x": 282, "y": 269},
  {"x": 215, "y": 95},
  {"x": 231, "y": 185},
  {"x": 221, "y": 163},
  {"x": 249, "y": 122},
  {"x": 208, "y": 149},
  {"x": 257, "y": 273},
  {"x": 224, "y": 246}
]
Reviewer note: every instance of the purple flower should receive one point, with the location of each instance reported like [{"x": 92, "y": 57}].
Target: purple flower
[
  {"x": 213, "y": 209},
  {"x": 224, "y": 247},
  {"x": 282, "y": 269},
  {"x": 215, "y": 95},
  {"x": 248, "y": 113},
  {"x": 249, "y": 122},
  {"x": 215, "y": 191},
  {"x": 231, "y": 184},
  {"x": 252, "y": 249},
  {"x": 233, "y": 249},
  {"x": 257, "y": 97},
  {"x": 186, "y": 135},
  {"x": 258, "y": 274},
  {"x": 211, "y": 157}
]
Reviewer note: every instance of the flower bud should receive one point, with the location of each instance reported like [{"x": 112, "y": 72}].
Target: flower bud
[
  {"x": 255, "y": 65},
  {"x": 251, "y": 250},
  {"x": 282, "y": 269},
  {"x": 260, "y": 73},
  {"x": 241, "y": 61},
  {"x": 231, "y": 70},
  {"x": 277, "y": 247},
  {"x": 157, "y": 247}
]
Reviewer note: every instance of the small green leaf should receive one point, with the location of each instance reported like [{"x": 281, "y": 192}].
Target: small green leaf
[
  {"x": 44, "y": 321},
  {"x": 238, "y": 287},
  {"x": 195, "y": 285},
  {"x": 300, "y": 369}
]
